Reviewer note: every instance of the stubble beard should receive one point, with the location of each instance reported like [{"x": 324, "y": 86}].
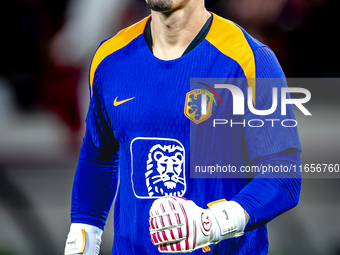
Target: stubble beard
[{"x": 160, "y": 5}]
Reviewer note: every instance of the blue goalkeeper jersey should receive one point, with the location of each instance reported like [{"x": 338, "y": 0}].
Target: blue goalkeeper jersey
[{"x": 140, "y": 127}]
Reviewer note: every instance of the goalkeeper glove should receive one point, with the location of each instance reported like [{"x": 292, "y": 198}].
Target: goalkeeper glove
[
  {"x": 178, "y": 225},
  {"x": 83, "y": 239}
]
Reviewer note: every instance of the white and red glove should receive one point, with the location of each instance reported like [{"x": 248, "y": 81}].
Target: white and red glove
[
  {"x": 178, "y": 225},
  {"x": 83, "y": 239}
]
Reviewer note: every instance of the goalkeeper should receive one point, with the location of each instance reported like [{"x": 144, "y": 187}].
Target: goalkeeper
[{"x": 136, "y": 150}]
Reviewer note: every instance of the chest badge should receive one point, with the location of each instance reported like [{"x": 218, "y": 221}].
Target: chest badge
[{"x": 198, "y": 105}]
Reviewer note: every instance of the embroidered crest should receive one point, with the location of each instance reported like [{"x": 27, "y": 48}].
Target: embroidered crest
[{"x": 198, "y": 106}]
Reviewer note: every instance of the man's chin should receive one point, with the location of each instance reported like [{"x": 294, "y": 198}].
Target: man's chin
[{"x": 160, "y": 5}]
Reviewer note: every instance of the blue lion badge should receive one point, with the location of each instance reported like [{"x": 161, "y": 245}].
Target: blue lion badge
[{"x": 158, "y": 167}]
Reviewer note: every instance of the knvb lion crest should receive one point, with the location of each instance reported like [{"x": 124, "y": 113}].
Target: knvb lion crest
[{"x": 193, "y": 106}]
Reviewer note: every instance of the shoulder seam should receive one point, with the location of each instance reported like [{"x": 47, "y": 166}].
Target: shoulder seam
[
  {"x": 115, "y": 43},
  {"x": 231, "y": 41}
]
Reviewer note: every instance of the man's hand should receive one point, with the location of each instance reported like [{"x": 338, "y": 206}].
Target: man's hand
[
  {"x": 178, "y": 225},
  {"x": 83, "y": 239}
]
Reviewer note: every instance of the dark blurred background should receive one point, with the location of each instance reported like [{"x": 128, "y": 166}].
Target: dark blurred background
[{"x": 46, "y": 51}]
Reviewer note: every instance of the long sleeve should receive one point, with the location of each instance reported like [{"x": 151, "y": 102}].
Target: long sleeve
[
  {"x": 94, "y": 185},
  {"x": 270, "y": 194},
  {"x": 96, "y": 176}
]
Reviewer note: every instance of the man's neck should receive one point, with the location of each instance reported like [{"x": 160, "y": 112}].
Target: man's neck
[{"x": 172, "y": 32}]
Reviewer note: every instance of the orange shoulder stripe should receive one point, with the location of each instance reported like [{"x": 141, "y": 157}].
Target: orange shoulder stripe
[
  {"x": 229, "y": 39},
  {"x": 120, "y": 40}
]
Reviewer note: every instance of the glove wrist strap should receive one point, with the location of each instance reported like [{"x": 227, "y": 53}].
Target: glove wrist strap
[
  {"x": 83, "y": 239},
  {"x": 230, "y": 217}
]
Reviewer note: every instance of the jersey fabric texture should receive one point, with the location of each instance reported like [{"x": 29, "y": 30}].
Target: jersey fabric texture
[{"x": 137, "y": 142}]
